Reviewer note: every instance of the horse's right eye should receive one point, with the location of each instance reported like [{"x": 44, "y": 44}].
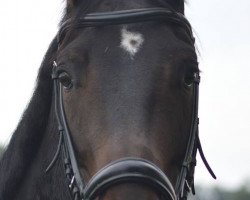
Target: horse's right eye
[
  {"x": 189, "y": 79},
  {"x": 65, "y": 80}
]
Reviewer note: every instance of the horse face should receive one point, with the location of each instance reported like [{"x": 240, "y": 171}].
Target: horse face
[{"x": 128, "y": 93}]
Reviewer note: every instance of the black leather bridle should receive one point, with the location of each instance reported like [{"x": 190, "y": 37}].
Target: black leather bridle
[{"x": 127, "y": 170}]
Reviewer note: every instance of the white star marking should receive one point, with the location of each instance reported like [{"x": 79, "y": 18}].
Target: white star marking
[{"x": 131, "y": 41}]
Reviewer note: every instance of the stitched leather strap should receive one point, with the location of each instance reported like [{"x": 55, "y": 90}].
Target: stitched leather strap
[{"x": 130, "y": 170}]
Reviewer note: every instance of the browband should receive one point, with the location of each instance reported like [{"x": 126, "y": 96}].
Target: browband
[{"x": 127, "y": 17}]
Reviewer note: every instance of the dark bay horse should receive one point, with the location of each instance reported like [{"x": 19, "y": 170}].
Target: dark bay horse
[{"x": 115, "y": 112}]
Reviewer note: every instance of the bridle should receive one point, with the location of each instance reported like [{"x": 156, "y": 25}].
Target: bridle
[{"x": 127, "y": 170}]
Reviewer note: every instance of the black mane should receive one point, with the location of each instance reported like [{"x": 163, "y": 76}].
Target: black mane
[{"x": 29, "y": 132}]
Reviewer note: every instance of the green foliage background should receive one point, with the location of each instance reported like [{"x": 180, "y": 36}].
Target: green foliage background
[{"x": 219, "y": 193}]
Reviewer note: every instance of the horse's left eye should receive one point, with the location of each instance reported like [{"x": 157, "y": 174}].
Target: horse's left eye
[{"x": 65, "y": 80}]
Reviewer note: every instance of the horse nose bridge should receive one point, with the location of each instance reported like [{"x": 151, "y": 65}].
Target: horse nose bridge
[
  {"x": 131, "y": 144},
  {"x": 126, "y": 145}
]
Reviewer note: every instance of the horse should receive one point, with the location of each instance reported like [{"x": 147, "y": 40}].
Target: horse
[{"x": 115, "y": 111}]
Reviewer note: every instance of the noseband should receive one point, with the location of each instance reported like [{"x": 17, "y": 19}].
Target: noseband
[{"x": 127, "y": 170}]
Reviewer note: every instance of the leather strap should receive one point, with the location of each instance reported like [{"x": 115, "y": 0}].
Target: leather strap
[
  {"x": 182, "y": 179},
  {"x": 130, "y": 170},
  {"x": 74, "y": 178},
  {"x": 127, "y": 17}
]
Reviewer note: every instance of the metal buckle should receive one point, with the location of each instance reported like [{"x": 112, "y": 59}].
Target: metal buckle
[
  {"x": 71, "y": 182},
  {"x": 54, "y": 75}
]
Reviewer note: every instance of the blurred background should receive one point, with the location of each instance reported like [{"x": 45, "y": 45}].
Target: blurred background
[{"x": 222, "y": 29}]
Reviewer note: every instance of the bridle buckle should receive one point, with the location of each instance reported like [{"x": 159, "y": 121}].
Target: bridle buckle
[{"x": 72, "y": 182}]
